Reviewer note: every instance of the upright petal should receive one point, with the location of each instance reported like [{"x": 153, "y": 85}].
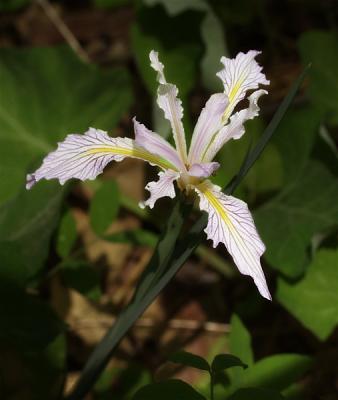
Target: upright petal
[
  {"x": 200, "y": 170},
  {"x": 209, "y": 123},
  {"x": 230, "y": 222},
  {"x": 235, "y": 128},
  {"x": 155, "y": 144},
  {"x": 171, "y": 105},
  {"x": 85, "y": 156},
  {"x": 239, "y": 75},
  {"x": 164, "y": 187}
]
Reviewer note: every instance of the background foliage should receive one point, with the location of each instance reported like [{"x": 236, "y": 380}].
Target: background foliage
[{"x": 71, "y": 256}]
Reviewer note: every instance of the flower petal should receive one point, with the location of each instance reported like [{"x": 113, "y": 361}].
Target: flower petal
[
  {"x": 230, "y": 222},
  {"x": 200, "y": 170},
  {"x": 155, "y": 144},
  {"x": 235, "y": 128},
  {"x": 164, "y": 187},
  {"x": 171, "y": 105},
  {"x": 85, "y": 156},
  {"x": 209, "y": 123},
  {"x": 239, "y": 75}
]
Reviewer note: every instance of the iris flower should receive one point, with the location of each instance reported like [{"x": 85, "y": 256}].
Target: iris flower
[{"x": 84, "y": 156}]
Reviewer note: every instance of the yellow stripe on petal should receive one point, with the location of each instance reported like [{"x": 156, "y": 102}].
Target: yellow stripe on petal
[
  {"x": 135, "y": 153},
  {"x": 230, "y": 223}
]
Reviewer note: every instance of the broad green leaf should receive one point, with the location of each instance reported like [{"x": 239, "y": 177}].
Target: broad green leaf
[
  {"x": 240, "y": 346},
  {"x": 180, "y": 61},
  {"x": 256, "y": 394},
  {"x": 190, "y": 360},
  {"x": 66, "y": 235},
  {"x": 32, "y": 347},
  {"x": 295, "y": 138},
  {"x": 275, "y": 372},
  {"x": 26, "y": 225},
  {"x": 225, "y": 361},
  {"x": 47, "y": 93},
  {"x": 266, "y": 136},
  {"x": 288, "y": 222},
  {"x": 82, "y": 277},
  {"x": 168, "y": 390},
  {"x": 321, "y": 50},
  {"x": 269, "y": 165},
  {"x": 211, "y": 33},
  {"x": 314, "y": 299},
  {"x": 104, "y": 206}
]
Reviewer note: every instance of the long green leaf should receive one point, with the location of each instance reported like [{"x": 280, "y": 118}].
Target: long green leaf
[{"x": 169, "y": 256}]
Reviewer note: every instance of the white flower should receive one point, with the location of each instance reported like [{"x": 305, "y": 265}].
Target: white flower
[{"x": 229, "y": 220}]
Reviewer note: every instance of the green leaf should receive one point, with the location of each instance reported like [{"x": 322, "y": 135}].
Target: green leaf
[
  {"x": 268, "y": 165},
  {"x": 110, "y": 3},
  {"x": 314, "y": 299},
  {"x": 138, "y": 237},
  {"x": 212, "y": 34},
  {"x": 267, "y": 134},
  {"x": 288, "y": 222},
  {"x": 26, "y": 225},
  {"x": 321, "y": 50},
  {"x": 32, "y": 347},
  {"x": 47, "y": 93},
  {"x": 66, "y": 235},
  {"x": 256, "y": 394},
  {"x": 168, "y": 390},
  {"x": 104, "y": 206},
  {"x": 12, "y": 5},
  {"x": 275, "y": 372},
  {"x": 82, "y": 277},
  {"x": 225, "y": 361},
  {"x": 240, "y": 346},
  {"x": 295, "y": 138},
  {"x": 190, "y": 360}
]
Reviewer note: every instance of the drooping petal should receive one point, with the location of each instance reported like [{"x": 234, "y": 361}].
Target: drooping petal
[
  {"x": 239, "y": 75},
  {"x": 85, "y": 156},
  {"x": 155, "y": 144},
  {"x": 203, "y": 171},
  {"x": 235, "y": 128},
  {"x": 230, "y": 222},
  {"x": 209, "y": 123},
  {"x": 171, "y": 105},
  {"x": 164, "y": 187}
]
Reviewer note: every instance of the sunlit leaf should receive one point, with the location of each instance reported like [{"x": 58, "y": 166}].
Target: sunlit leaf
[
  {"x": 47, "y": 93},
  {"x": 288, "y": 222},
  {"x": 256, "y": 394},
  {"x": 168, "y": 390},
  {"x": 314, "y": 299},
  {"x": 104, "y": 206},
  {"x": 190, "y": 360},
  {"x": 275, "y": 372},
  {"x": 240, "y": 346}
]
